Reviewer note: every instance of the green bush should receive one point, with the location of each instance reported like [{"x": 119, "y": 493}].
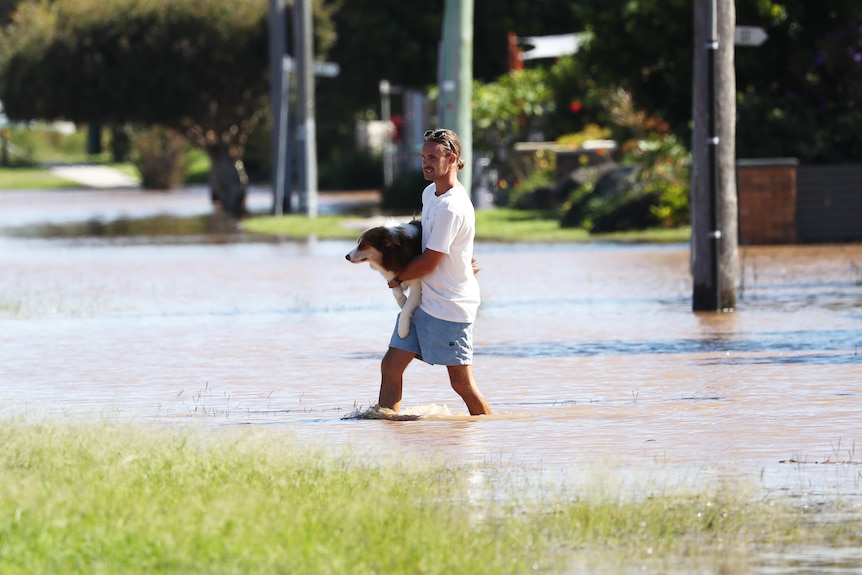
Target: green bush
[
  {"x": 666, "y": 174},
  {"x": 42, "y": 143},
  {"x": 352, "y": 170},
  {"x": 161, "y": 157},
  {"x": 651, "y": 189},
  {"x": 405, "y": 193}
]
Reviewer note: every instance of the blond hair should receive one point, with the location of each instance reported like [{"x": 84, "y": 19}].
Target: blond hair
[{"x": 449, "y": 140}]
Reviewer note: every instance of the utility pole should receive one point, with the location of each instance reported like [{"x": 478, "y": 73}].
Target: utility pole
[
  {"x": 454, "y": 109},
  {"x": 278, "y": 96},
  {"x": 715, "y": 259},
  {"x": 306, "y": 132}
]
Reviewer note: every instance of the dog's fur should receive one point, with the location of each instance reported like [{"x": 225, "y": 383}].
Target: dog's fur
[{"x": 389, "y": 249}]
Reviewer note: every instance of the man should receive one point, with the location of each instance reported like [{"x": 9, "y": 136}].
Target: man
[{"x": 441, "y": 332}]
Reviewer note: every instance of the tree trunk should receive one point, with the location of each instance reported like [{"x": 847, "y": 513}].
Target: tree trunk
[
  {"x": 228, "y": 180},
  {"x": 704, "y": 293}
]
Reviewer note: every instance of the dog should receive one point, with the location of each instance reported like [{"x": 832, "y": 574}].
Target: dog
[{"x": 389, "y": 249}]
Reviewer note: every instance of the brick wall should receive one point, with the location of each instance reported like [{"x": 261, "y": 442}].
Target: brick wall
[{"x": 766, "y": 194}]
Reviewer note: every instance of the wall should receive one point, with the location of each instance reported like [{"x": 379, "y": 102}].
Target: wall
[{"x": 766, "y": 192}]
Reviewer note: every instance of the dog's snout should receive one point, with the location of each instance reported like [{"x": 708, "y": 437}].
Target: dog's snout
[{"x": 347, "y": 257}]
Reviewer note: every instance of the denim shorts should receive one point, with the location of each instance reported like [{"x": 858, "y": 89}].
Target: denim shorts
[{"x": 436, "y": 341}]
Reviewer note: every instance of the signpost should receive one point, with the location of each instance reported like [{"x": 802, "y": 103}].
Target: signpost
[
  {"x": 749, "y": 36},
  {"x": 305, "y": 69}
]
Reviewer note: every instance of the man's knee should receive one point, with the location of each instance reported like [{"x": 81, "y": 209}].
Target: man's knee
[
  {"x": 461, "y": 378},
  {"x": 395, "y": 362}
]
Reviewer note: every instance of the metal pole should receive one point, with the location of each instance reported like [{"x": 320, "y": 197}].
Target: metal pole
[
  {"x": 282, "y": 171},
  {"x": 712, "y": 143},
  {"x": 277, "y": 78},
  {"x": 306, "y": 130},
  {"x": 454, "y": 107},
  {"x": 386, "y": 116},
  {"x": 447, "y": 56},
  {"x": 464, "y": 107}
]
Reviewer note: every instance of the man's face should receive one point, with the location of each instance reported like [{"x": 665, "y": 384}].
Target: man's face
[{"x": 436, "y": 160}]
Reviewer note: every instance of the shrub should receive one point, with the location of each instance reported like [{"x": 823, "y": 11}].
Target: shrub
[
  {"x": 352, "y": 170},
  {"x": 666, "y": 174},
  {"x": 651, "y": 190},
  {"x": 534, "y": 191},
  {"x": 160, "y": 155},
  {"x": 405, "y": 193}
]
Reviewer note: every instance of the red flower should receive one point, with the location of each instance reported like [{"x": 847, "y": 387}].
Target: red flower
[{"x": 575, "y": 106}]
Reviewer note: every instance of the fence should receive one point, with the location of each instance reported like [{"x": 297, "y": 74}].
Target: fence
[{"x": 781, "y": 202}]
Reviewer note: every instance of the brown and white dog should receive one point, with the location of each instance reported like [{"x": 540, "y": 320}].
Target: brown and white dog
[{"x": 389, "y": 249}]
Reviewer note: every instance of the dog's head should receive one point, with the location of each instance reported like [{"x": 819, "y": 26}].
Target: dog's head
[
  {"x": 371, "y": 246},
  {"x": 388, "y": 248}
]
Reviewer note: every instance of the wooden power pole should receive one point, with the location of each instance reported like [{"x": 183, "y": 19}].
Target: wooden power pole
[{"x": 714, "y": 248}]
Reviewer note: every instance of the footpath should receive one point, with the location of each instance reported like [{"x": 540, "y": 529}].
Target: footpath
[{"x": 94, "y": 176}]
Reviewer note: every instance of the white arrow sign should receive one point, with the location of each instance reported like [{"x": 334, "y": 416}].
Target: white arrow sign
[
  {"x": 749, "y": 36},
  {"x": 325, "y": 69}
]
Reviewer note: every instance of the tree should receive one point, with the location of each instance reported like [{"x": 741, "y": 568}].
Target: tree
[
  {"x": 198, "y": 66},
  {"x": 399, "y": 41},
  {"x": 505, "y": 112},
  {"x": 643, "y": 47},
  {"x": 7, "y": 7},
  {"x": 799, "y": 92}
]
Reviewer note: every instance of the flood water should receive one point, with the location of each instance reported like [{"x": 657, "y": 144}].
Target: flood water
[{"x": 589, "y": 355}]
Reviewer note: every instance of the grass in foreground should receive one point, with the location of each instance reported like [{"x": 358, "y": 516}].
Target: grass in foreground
[
  {"x": 501, "y": 224},
  {"x": 99, "y": 498}
]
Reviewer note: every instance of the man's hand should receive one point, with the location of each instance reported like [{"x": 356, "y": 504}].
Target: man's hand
[{"x": 422, "y": 264}]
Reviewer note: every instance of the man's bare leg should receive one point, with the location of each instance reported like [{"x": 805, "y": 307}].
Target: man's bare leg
[
  {"x": 464, "y": 384},
  {"x": 392, "y": 377}
]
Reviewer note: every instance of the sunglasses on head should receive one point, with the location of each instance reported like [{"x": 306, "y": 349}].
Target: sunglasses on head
[
  {"x": 440, "y": 136},
  {"x": 435, "y": 135}
]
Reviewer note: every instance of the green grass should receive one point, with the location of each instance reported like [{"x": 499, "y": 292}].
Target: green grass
[
  {"x": 544, "y": 226},
  {"x": 199, "y": 167},
  {"x": 30, "y": 178},
  {"x": 107, "y": 498},
  {"x": 503, "y": 225},
  {"x": 44, "y": 144}
]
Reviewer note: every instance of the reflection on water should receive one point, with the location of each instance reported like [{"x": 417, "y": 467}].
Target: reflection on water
[
  {"x": 155, "y": 229},
  {"x": 589, "y": 355}
]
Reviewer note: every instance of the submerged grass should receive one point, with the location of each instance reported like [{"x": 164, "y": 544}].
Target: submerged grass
[{"x": 102, "y": 498}]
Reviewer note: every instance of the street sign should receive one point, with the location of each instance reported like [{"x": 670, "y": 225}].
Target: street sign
[
  {"x": 749, "y": 36},
  {"x": 327, "y": 69},
  {"x": 324, "y": 69}
]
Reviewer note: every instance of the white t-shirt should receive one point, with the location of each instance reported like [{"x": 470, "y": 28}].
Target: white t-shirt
[{"x": 450, "y": 292}]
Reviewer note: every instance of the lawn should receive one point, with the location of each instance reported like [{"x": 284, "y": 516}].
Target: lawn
[
  {"x": 500, "y": 225},
  {"x": 82, "y": 498},
  {"x": 32, "y": 178}
]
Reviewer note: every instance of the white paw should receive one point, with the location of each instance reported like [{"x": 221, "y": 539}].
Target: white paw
[{"x": 403, "y": 328}]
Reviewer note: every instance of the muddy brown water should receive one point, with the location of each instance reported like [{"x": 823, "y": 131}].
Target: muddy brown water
[{"x": 590, "y": 355}]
